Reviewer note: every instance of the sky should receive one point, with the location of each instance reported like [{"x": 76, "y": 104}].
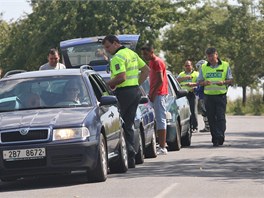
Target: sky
[{"x": 14, "y": 9}]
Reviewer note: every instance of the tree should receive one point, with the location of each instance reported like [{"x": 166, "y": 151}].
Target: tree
[
  {"x": 54, "y": 21},
  {"x": 195, "y": 31},
  {"x": 232, "y": 29},
  {"x": 4, "y": 35}
]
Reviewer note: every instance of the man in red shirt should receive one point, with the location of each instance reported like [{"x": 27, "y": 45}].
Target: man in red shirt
[{"x": 157, "y": 93}]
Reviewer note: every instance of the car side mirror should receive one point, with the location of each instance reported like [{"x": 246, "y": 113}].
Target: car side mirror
[
  {"x": 182, "y": 93},
  {"x": 108, "y": 100}
]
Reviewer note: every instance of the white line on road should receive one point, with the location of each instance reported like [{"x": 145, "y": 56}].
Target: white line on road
[{"x": 166, "y": 191}]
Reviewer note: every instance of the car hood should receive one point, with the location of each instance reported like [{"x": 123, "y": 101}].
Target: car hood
[{"x": 44, "y": 118}]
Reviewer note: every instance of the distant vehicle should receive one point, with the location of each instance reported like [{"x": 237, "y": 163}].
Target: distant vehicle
[
  {"x": 55, "y": 122},
  {"x": 89, "y": 51},
  {"x": 178, "y": 114},
  {"x": 144, "y": 127}
]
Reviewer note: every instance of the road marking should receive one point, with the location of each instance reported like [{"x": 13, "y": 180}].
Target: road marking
[{"x": 166, "y": 191}]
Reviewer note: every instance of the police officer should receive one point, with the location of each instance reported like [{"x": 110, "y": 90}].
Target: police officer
[
  {"x": 215, "y": 76},
  {"x": 187, "y": 79},
  {"x": 125, "y": 79}
]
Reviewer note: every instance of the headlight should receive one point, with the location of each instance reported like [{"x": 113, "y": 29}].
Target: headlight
[{"x": 70, "y": 133}]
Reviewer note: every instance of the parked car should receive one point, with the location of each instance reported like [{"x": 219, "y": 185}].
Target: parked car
[
  {"x": 145, "y": 138},
  {"x": 89, "y": 51},
  {"x": 57, "y": 122},
  {"x": 177, "y": 114},
  {"x": 79, "y": 51}
]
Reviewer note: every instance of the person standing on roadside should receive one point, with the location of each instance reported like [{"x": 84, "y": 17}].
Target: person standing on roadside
[
  {"x": 157, "y": 94},
  {"x": 215, "y": 76},
  {"x": 125, "y": 79},
  {"x": 188, "y": 80},
  {"x": 200, "y": 94},
  {"x": 53, "y": 61}
]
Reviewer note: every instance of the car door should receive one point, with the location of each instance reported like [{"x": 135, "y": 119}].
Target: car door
[
  {"x": 109, "y": 114},
  {"x": 182, "y": 103}
]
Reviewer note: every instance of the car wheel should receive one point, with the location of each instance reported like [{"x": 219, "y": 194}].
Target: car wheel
[
  {"x": 99, "y": 173},
  {"x": 151, "y": 150},
  {"x": 176, "y": 145},
  {"x": 121, "y": 164},
  {"x": 140, "y": 153},
  {"x": 186, "y": 139}
]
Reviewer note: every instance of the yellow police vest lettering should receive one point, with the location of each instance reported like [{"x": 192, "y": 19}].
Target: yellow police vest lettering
[{"x": 215, "y": 75}]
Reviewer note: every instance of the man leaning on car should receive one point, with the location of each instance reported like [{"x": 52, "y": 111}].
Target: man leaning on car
[{"x": 125, "y": 79}]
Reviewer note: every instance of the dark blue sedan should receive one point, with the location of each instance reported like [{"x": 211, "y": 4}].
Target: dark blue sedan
[{"x": 59, "y": 121}]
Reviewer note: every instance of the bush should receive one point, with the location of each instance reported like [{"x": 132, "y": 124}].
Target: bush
[{"x": 254, "y": 106}]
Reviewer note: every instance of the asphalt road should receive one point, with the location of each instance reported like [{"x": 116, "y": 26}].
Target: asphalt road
[{"x": 235, "y": 169}]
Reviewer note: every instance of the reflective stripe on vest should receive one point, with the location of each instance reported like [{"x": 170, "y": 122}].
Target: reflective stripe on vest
[
  {"x": 131, "y": 64},
  {"x": 183, "y": 83},
  {"x": 215, "y": 75}
]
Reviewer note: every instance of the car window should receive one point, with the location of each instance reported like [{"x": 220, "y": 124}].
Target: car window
[
  {"x": 170, "y": 88},
  {"x": 42, "y": 92},
  {"x": 99, "y": 86},
  {"x": 90, "y": 53}
]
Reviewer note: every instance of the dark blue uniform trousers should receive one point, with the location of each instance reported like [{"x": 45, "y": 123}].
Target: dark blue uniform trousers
[
  {"x": 215, "y": 108},
  {"x": 128, "y": 98}
]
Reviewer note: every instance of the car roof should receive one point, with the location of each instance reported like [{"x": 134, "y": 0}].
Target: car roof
[
  {"x": 46, "y": 73},
  {"x": 81, "y": 41}
]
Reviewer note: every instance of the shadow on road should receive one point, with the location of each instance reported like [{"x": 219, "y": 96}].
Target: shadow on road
[{"x": 227, "y": 168}]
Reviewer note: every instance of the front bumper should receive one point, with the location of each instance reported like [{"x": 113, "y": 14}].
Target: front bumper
[{"x": 60, "y": 158}]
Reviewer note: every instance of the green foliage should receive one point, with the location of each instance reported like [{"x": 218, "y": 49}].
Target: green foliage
[
  {"x": 235, "y": 31},
  {"x": 4, "y": 35},
  {"x": 53, "y": 21},
  {"x": 254, "y": 106}
]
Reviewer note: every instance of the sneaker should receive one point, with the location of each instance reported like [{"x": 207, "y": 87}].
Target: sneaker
[
  {"x": 162, "y": 151},
  {"x": 194, "y": 130},
  {"x": 205, "y": 130}
]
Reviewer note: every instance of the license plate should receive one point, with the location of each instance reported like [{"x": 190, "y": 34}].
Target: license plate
[{"x": 24, "y": 154}]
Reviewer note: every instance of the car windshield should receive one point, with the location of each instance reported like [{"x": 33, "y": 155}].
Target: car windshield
[
  {"x": 43, "y": 92},
  {"x": 90, "y": 53}
]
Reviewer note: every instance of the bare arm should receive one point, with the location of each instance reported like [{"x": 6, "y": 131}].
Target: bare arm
[
  {"x": 143, "y": 74},
  {"x": 180, "y": 79},
  {"x": 156, "y": 86},
  {"x": 118, "y": 79}
]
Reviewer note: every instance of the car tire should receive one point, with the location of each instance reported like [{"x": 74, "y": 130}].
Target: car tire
[
  {"x": 99, "y": 173},
  {"x": 176, "y": 145},
  {"x": 186, "y": 139},
  {"x": 140, "y": 153},
  {"x": 151, "y": 150},
  {"x": 121, "y": 164}
]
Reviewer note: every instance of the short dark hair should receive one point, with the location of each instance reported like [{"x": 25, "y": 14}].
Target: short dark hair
[
  {"x": 210, "y": 50},
  {"x": 111, "y": 38},
  {"x": 53, "y": 51},
  {"x": 147, "y": 47}
]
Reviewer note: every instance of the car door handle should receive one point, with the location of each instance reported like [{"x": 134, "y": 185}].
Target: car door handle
[{"x": 111, "y": 114}]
